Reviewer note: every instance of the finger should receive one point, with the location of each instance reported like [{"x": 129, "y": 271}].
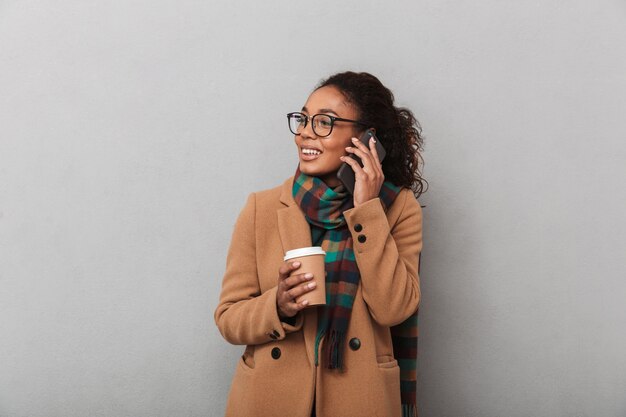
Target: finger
[
  {"x": 363, "y": 148},
  {"x": 293, "y": 308},
  {"x": 286, "y": 268},
  {"x": 366, "y": 156},
  {"x": 376, "y": 164},
  {"x": 374, "y": 152},
  {"x": 288, "y": 304},
  {"x": 297, "y": 279},
  {"x": 358, "y": 144},
  {"x": 354, "y": 164},
  {"x": 369, "y": 166},
  {"x": 301, "y": 289}
]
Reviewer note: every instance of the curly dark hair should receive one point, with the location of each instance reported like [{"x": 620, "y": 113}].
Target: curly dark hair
[{"x": 397, "y": 129}]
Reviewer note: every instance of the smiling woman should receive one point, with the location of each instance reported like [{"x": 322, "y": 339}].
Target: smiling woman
[{"x": 354, "y": 355}]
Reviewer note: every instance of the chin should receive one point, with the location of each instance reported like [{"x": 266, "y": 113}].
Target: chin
[
  {"x": 329, "y": 177},
  {"x": 306, "y": 170}
]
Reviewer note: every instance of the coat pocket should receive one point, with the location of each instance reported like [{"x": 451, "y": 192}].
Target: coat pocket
[
  {"x": 247, "y": 359},
  {"x": 386, "y": 361},
  {"x": 389, "y": 388}
]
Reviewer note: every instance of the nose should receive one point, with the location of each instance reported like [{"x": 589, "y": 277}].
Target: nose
[{"x": 307, "y": 132}]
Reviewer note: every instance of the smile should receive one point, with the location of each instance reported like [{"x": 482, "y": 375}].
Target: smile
[{"x": 309, "y": 154}]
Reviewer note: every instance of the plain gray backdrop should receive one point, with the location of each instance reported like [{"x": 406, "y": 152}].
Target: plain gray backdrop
[{"x": 131, "y": 133}]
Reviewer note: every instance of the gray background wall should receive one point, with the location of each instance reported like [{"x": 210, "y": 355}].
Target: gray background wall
[{"x": 131, "y": 133}]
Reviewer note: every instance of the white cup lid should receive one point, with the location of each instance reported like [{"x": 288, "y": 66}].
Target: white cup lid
[{"x": 297, "y": 253}]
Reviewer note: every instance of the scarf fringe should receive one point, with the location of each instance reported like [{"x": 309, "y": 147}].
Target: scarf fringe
[
  {"x": 332, "y": 350},
  {"x": 333, "y": 347},
  {"x": 409, "y": 410}
]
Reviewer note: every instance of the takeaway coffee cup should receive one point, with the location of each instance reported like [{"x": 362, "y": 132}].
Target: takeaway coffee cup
[{"x": 311, "y": 260}]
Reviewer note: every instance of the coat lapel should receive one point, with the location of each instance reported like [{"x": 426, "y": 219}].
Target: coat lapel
[
  {"x": 295, "y": 233},
  {"x": 292, "y": 225},
  {"x": 293, "y": 228}
]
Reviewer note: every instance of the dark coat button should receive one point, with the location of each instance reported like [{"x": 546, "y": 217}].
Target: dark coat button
[
  {"x": 276, "y": 334},
  {"x": 276, "y": 353},
  {"x": 272, "y": 335},
  {"x": 362, "y": 238},
  {"x": 358, "y": 227},
  {"x": 355, "y": 343}
]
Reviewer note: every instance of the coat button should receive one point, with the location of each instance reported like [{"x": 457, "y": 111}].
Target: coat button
[
  {"x": 358, "y": 227},
  {"x": 272, "y": 336},
  {"x": 355, "y": 343},
  {"x": 275, "y": 333},
  {"x": 362, "y": 238},
  {"x": 276, "y": 353}
]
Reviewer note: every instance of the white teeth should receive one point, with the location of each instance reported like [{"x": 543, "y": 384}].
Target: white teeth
[{"x": 310, "y": 152}]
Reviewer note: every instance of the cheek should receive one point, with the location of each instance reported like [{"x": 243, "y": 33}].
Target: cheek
[
  {"x": 333, "y": 155},
  {"x": 339, "y": 147}
]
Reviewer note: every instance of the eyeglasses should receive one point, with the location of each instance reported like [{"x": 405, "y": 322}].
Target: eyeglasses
[{"x": 322, "y": 124}]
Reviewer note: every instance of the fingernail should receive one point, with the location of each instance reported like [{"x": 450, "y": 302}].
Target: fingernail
[
  {"x": 354, "y": 139},
  {"x": 373, "y": 140},
  {"x": 308, "y": 275},
  {"x": 311, "y": 285},
  {"x": 296, "y": 263},
  {"x": 305, "y": 302}
]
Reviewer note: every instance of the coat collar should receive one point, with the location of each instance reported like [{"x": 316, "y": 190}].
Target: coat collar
[
  {"x": 293, "y": 228},
  {"x": 286, "y": 196}
]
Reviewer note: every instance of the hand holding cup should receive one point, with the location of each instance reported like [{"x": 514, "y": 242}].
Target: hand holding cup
[
  {"x": 290, "y": 287},
  {"x": 297, "y": 291}
]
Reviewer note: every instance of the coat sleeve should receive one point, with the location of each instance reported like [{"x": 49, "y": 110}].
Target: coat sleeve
[
  {"x": 244, "y": 315},
  {"x": 388, "y": 257}
]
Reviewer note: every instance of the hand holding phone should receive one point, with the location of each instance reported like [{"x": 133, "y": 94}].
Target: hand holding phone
[{"x": 346, "y": 172}]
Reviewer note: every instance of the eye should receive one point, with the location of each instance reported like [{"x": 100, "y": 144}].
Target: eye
[{"x": 325, "y": 122}]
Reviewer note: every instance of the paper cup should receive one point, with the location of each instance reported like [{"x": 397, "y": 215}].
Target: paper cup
[{"x": 311, "y": 260}]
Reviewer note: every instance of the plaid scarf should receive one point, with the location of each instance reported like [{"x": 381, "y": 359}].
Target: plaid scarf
[{"x": 323, "y": 209}]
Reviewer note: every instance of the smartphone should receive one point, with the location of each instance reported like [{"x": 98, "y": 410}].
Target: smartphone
[{"x": 346, "y": 173}]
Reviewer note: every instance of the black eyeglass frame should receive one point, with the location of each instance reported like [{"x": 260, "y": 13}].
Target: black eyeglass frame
[{"x": 333, "y": 119}]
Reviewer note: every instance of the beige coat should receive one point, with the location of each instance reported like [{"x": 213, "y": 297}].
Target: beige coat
[{"x": 276, "y": 375}]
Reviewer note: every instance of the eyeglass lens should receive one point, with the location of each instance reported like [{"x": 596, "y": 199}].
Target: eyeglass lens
[{"x": 322, "y": 124}]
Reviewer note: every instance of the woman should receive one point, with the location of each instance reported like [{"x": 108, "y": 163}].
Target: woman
[{"x": 338, "y": 359}]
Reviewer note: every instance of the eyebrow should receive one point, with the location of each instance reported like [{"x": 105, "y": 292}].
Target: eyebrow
[{"x": 322, "y": 111}]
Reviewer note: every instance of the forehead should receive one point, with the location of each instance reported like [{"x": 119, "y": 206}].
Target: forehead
[{"x": 329, "y": 99}]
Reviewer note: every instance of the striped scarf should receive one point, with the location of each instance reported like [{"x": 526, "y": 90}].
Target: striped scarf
[{"x": 323, "y": 209}]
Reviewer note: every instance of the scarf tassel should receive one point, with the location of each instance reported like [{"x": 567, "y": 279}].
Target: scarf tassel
[
  {"x": 409, "y": 410},
  {"x": 333, "y": 346}
]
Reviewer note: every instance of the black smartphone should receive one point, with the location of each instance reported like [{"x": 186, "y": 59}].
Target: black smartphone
[{"x": 346, "y": 173}]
